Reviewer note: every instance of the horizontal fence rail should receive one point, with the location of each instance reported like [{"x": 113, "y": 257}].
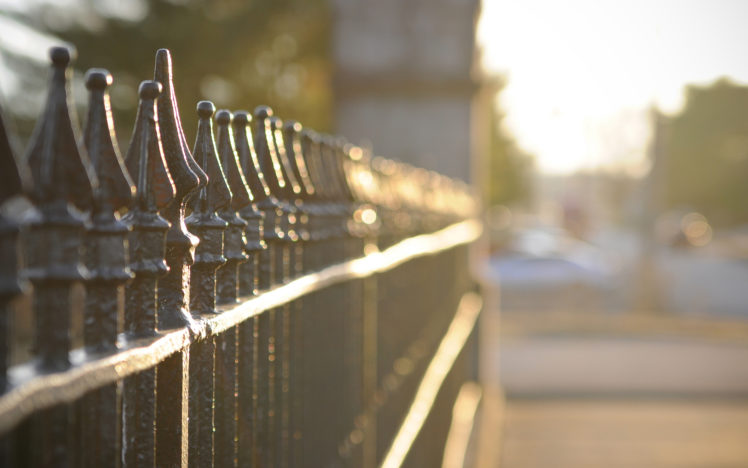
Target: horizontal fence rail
[{"x": 269, "y": 297}]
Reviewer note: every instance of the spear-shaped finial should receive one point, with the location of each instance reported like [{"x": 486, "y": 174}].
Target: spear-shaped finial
[
  {"x": 293, "y": 188},
  {"x": 269, "y": 167},
  {"x": 319, "y": 207},
  {"x": 173, "y": 297},
  {"x": 249, "y": 165},
  {"x": 107, "y": 263},
  {"x": 11, "y": 185},
  {"x": 59, "y": 166},
  {"x": 209, "y": 227},
  {"x": 204, "y": 220},
  {"x": 266, "y": 151},
  {"x": 63, "y": 179},
  {"x": 234, "y": 238},
  {"x": 154, "y": 191},
  {"x": 106, "y": 247},
  {"x": 311, "y": 151},
  {"x": 292, "y": 137}
]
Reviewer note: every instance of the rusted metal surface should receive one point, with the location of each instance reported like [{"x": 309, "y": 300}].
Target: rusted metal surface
[{"x": 269, "y": 298}]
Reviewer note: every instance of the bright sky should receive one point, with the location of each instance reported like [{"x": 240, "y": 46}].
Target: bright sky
[{"x": 582, "y": 73}]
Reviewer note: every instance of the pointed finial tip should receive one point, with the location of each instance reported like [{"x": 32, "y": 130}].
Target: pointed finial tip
[
  {"x": 311, "y": 134},
  {"x": 223, "y": 117},
  {"x": 98, "y": 79},
  {"x": 205, "y": 109},
  {"x": 292, "y": 125},
  {"x": 275, "y": 122},
  {"x": 242, "y": 117},
  {"x": 163, "y": 62},
  {"x": 150, "y": 89},
  {"x": 263, "y": 112},
  {"x": 163, "y": 53},
  {"x": 60, "y": 56}
]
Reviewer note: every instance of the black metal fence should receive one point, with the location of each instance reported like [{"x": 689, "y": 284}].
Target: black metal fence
[{"x": 272, "y": 297}]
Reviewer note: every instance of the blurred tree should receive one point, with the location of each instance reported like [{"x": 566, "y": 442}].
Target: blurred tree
[
  {"x": 236, "y": 53},
  {"x": 705, "y": 154},
  {"x": 509, "y": 166}
]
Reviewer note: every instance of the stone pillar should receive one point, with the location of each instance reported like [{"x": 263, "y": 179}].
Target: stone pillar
[{"x": 405, "y": 79}]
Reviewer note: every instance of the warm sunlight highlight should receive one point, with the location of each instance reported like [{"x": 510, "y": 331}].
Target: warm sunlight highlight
[{"x": 582, "y": 73}]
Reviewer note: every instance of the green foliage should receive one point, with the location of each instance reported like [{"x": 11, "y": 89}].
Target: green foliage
[
  {"x": 237, "y": 53},
  {"x": 705, "y": 155},
  {"x": 509, "y": 167}
]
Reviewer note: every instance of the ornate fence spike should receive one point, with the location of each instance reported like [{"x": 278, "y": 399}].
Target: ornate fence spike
[
  {"x": 321, "y": 210},
  {"x": 204, "y": 220},
  {"x": 59, "y": 166},
  {"x": 259, "y": 191},
  {"x": 234, "y": 239},
  {"x": 293, "y": 186},
  {"x": 274, "y": 227},
  {"x": 173, "y": 296},
  {"x": 289, "y": 195},
  {"x": 338, "y": 208},
  {"x": 154, "y": 191},
  {"x": 311, "y": 151},
  {"x": 292, "y": 132},
  {"x": 12, "y": 184},
  {"x": 106, "y": 246},
  {"x": 62, "y": 177},
  {"x": 292, "y": 140}
]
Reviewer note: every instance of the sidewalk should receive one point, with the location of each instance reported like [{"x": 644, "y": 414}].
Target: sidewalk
[
  {"x": 617, "y": 392},
  {"x": 625, "y": 433}
]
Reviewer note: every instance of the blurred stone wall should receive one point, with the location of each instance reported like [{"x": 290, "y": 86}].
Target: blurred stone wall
[{"x": 405, "y": 79}]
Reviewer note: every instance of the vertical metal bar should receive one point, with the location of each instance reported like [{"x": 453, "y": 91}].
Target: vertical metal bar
[
  {"x": 188, "y": 177},
  {"x": 154, "y": 190},
  {"x": 172, "y": 383},
  {"x": 201, "y": 404},
  {"x": 235, "y": 245},
  {"x": 12, "y": 183},
  {"x": 107, "y": 262},
  {"x": 246, "y": 364},
  {"x": 138, "y": 419},
  {"x": 262, "y": 226},
  {"x": 62, "y": 178},
  {"x": 225, "y": 399},
  {"x": 205, "y": 222},
  {"x": 172, "y": 396},
  {"x": 259, "y": 191}
]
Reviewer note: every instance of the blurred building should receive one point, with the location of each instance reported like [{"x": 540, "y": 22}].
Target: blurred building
[{"x": 406, "y": 79}]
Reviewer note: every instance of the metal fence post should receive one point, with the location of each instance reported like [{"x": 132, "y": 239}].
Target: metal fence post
[
  {"x": 154, "y": 191},
  {"x": 107, "y": 262},
  {"x": 173, "y": 294},
  {"x": 188, "y": 177},
  {"x": 209, "y": 227},
  {"x": 63, "y": 183},
  {"x": 12, "y": 184},
  {"x": 11, "y": 286},
  {"x": 249, "y": 348},
  {"x": 227, "y": 292}
]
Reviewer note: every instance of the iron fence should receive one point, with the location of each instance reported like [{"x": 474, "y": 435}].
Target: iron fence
[{"x": 272, "y": 297}]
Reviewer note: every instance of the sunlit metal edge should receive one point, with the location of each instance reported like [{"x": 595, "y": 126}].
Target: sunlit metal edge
[
  {"x": 436, "y": 372},
  {"x": 463, "y": 424},
  {"x": 31, "y": 391}
]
